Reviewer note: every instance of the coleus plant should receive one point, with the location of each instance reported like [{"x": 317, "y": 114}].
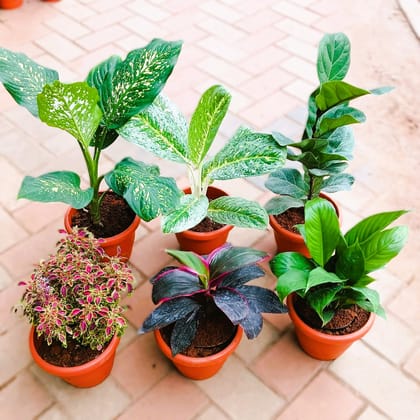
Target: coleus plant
[
  {"x": 163, "y": 130},
  {"x": 76, "y": 292},
  {"x": 219, "y": 278},
  {"x": 92, "y": 111},
  {"x": 338, "y": 274},
  {"x": 327, "y": 142}
]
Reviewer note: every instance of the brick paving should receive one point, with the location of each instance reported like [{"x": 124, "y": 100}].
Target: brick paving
[{"x": 264, "y": 52}]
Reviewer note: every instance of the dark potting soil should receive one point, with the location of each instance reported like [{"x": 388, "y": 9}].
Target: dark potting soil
[
  {"x": 290, "y": 218},
  {"x": 345, "y": 321},
  {"x": 214, "y": 333},
  {"x": 116, "y": 216},
  {"x": 207, "y": 225},
  {"x": 73, "y": 355}
]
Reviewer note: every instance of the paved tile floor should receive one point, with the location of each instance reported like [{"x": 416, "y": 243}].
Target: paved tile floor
[{"x": 264, "y": 52}]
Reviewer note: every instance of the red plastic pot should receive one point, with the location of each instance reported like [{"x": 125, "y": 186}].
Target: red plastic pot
[
  {"x": 204, "y": 242},
  {"x": 199, "y": 367},
  {"x": 319, "y": 345},
  {"x": 10, "y": 4},
  {"x": 83, "y": 376}
]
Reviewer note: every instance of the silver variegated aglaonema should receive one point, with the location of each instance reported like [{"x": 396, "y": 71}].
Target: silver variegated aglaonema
[{"x": 182, "y": 293}]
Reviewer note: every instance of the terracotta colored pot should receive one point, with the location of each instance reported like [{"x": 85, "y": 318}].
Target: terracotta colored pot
[
  {"x": 323, "y": 346},
  {"x": 121, "y": 244},
  {"x": 290, "y": 241},
  {"x": 199, "y": 367},
  {"x": 204, "y": 242},
  {"x": 10, "y": 4},
  {"x": 83, "y": 376}
]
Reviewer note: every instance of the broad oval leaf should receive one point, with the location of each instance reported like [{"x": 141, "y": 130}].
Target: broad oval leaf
[
  {"x": 337, "y": 117},
  {"x": 338, "y": 182},
  {"x": 191, "y": 211},
  {"x": 71, "y": 107},
  {"x": 148, "y": 194},
  {"x": 184, "y": 332},
  {"x": 341, "y": 142},
  {"x": 23, "y": 78},
  {"x": 286, "y": 261},
  {"x": 291, "y": 281},
  {"x": 60, "y": 186},
  {"x": 278, "y": 205},
  {"x": 288, "y": 181},
  {"x": 232, "y": 303},
  {"x": 237, "y": 211},
  {"x": 368, "y": 299},
  {"x": 161, "y": 129},
  {"x": 205, "y": 122},
  {"x": 319, "y": 276},
  {"x": 350, "y": 263},
  {"x": 321, "y": 297}
]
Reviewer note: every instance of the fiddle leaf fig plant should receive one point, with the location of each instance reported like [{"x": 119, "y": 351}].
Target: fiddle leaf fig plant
[
  {"x": 338, "y": 273},
  {"x": 91, "y": 111},
  {"x": 327, "y": 142},
  {"x": 163, "y": 130}
]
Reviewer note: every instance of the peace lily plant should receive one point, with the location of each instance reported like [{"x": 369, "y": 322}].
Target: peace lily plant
[
  {"x": 163, "y": 130},
  {"x": 92, "y": 111}
]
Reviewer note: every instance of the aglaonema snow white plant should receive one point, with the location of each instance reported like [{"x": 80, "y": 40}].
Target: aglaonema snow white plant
[
  {"x": 183, "y": 293},
  {"x": 163, "y": 130}
]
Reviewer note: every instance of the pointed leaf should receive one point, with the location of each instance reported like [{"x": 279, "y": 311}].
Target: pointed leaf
[
  {"x": 350, "y": 263},
  {"x": 312, "y": 115},
  {"x": 191, "y": 260},
  {"x": 23, "y": 78},
  {"x": 287, "y": 181},
  {"x": 368, "y": 299},
  {"x": 291, "y": 281},
  {"x": 320, "y": 298},
  {"x": 337, "y": 182},
  {"x": 232, "y": 303},
  {"x": 286, "y": 261},
  {"x": 278, "y": 205},
  {"x": 241, "y": 276},
  {"x": 252, "y": 324},
  {"x": 100, "y": 72},
  {"x": 320, "y": 276},
  {"x": 205, "y": 122},
  {"x": 281, "y": 139},
  {"x": 262, "y": 300},
  {"x": 184, "y": 332},
  {"x": 338, "y": 116}
]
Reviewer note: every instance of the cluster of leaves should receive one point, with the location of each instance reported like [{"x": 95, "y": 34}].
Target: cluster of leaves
[
  {"x": 217, "y": 279},
  {"x": 327, "y": 142},
  {"x": 163, "y": 130},
  {"x": 337, "y": 275},
  {"x": 76, "y": 292},
  {"x": 92, "y": 111}
]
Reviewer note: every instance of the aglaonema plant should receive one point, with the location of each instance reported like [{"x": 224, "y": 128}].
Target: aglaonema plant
[
  {"x": 163, "y": 130},
  {"x": 327, "y": 142},
  {"x": 184, "y": 293},
  {"x": 92, "y": 111}
]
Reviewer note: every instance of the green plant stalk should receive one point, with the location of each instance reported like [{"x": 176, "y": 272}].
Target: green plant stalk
[{"x": 198, "y": 187}]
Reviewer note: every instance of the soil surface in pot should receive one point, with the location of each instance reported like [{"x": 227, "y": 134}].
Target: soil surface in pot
[
  {"x": 290, "y": 218},
  {"x": 345, "y": 321},
  {"x": 116, "y": 216},
  {"x": 214, "y": 333},
  {"x": 74, "y": 355},
  {"x": 207, "y": 225}
]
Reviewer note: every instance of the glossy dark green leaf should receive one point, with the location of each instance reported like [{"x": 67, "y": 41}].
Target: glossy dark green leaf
[
  {"x": 103, "y": 138},
  {"x": 287, "y": 181},
  {"x": 232, "y": 303},
  {"x": 338, "y": 182},
  {"x": 278, "y": 205},
  {"x": 368, "y": 299},
  {"x": 184, "y": 332},
  {"x": 291, "y": 281},
  {"x": 286, "y": 261},
  {"x": 320, "y": 298},
  {"x": 319, "y": 276},
  {"x": 100, "y": 72},
  {"x": 241, "y": 276},
  {"x": 338, "y": 116}
]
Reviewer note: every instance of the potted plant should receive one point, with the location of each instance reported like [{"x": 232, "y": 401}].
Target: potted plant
[
  {"x": 10, "y": 4},
  {"x": 92, "y": 111},
  {"x": 325, "y": 147},
  {"x": 204, "y": 305},
  {"x": 73, "y": 301},
  {"x": 328, "y": 296},
  {"x": 163, "y": 130}
]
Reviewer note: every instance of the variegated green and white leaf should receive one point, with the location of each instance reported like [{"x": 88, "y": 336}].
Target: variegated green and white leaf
[
  {"x": 99, "y": 73},
  {"x": 71, "y": 107},
  {"x": 23, "y": 78},
  {"x": 237, "y": 211},
  {"x": 246, "y": 154},
  {"x": 191, "y": 212},
  {"x": 60, "y": 186},
  {"x": 161, "y": 129},
  {"x": 147, "y": 193},
  {"x": 137, "y": 81}
]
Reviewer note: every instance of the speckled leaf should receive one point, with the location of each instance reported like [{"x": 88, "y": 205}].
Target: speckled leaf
[
  {"x": 232, "y": 304},
  {"x": 184, "y": 332},
  {"x": 237, "y": 211},
  {"x": 262, "y": 300},
  {"x": 99, "y": 73},
  {"x": 61, "y": 186},
  {"x": 190, "y": 212},
  {"x": 147, "y": 193},
  {"x": 246, "y": 154},
  {"x": 23, "y": 78},
  {"x": 241, "y": 276},
  {"x": 252, "y": 324},
  {"x": 287, "y": 181},
  {"x": 71, "y": 107},
  {"x": 206, "y": 121},
  {"x": 137, "y": 81}
]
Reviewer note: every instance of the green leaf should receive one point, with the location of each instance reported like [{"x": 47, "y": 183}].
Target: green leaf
[
  {"x": 191, "y": 211},
  {"x": 161, "y": 129},
  {"x": 137, "y": 81},
  {"x": 381, "y": 90},
  {"x": 311, "y": 145},
  {"x": 312, "y": 114},
  {"x": 237, "y": 211},
  {"x": 205, "y": 122},
  {"x": 278, "y": 205},
  {"x": 99, "y": 73},
  {"x": 335, "y": 92},
  {"x": 320, "y": 276},
  {"x": 338, "y": 182},
  {"x": 288, "y": 181},
  {"x": 320, "y": 298},
  {"x": 71, "y": 107},
  {"x": 246, "y": 154},
  {"x": 322, "y": 231},
  {"x": 291, "y": 281},
  {"x": 364, "y": 281},
  {"x": 23, "y": 78},
  {"x": 333, "y": 57},
  {"x": 286, "y": 261},
  {"x": 148, "y": 194},
  {"x": 191, "y": 260},
  {"x": 60, "y": 186},
  {"x": 281, "y": 139},
  {"x": 341, "y": 142},
  {"x": 368, "y": 299},
  {"x": 338, "y": 116}
]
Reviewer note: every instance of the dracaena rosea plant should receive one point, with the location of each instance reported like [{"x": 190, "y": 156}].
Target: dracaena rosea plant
[
  {"x": 92, "y": 111},
  {"x": 163, "y": 130},
  {"x": 219, "y": 279},
  {"x": 327, "y": 142},
  {"x": 338, "y": 274},
  {"x": 76, "y": 293}
]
